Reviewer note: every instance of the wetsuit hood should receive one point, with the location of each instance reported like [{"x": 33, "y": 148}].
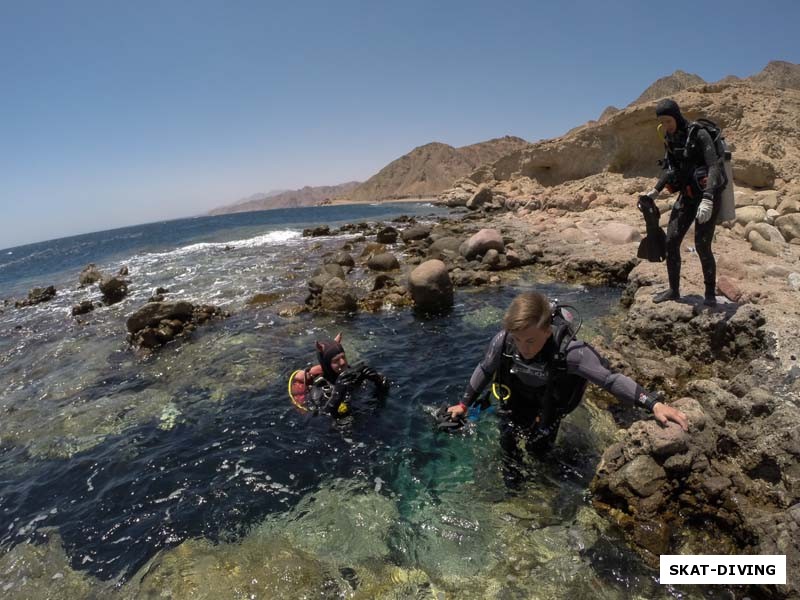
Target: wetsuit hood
[
  {"x": 670, "y": 108},
  {"x": 326, "y": 351}
]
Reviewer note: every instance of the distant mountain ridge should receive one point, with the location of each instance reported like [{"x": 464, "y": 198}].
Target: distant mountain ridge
[
  {"x": 777, "y": 74},
  {"x": 427, "y": 170},
  {"x": 430, "y": 169},
  {"x": 758, "y": 115},
  {"x": 306, "y": 196}
]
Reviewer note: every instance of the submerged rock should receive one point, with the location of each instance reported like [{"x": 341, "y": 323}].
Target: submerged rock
[
  {"x": 157, "y": 323},
  {"x": 37, "y": 296},
  {"x": 82, "y": 308},
  {"x": 90, "y": 274},
  {"x": 320, "y": 230},
  {"x": 387, "y": 235},
  {"x": 114, "y": 289},
  {"x": 341, "y": 258}
]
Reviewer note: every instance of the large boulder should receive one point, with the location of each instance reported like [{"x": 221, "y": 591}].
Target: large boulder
[
  {"x": 334, "y": 269},
  {"x": 415, "y": 232},
  {"x": 157, "y": 323},
  {"x": 789, "y": 226},
  {"x": 430, "y": 286},
  {"x": 446, "y": 243},
  {"x": 341, "y": 258},
  {"x": 767, "y": 198},
  {"x": 152, "y": 313},
  {"x": 480, "y": 198},
  {"x": 387, "y": 235},
  {"x": 766, "y": 231},
  {"x": 481, "y": 242},
  {"x": 759, "y": 244},
  {"x": 385, "y": 261},
  {"x": 753, "y": 171},
  {"x": 114, "y": 289},
  {"x": 318, "y": 231},
  {"x": 789, "y": 205},
  {"x": 337, "y": 296},
  {"x": 618, "y": 234},
  {"x": 750, "y": 214}
]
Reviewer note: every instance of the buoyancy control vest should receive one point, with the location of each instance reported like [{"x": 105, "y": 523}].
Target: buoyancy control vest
[
  {"x": 309, "y": 391},
  {"x": 689, "y": 172},
  {"x": 542, "y": 392}
]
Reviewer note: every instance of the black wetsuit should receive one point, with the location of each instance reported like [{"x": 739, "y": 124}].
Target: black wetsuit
[
  {"x": 684, "y": 165},
  {"x": 327, "y": 397},
  {"x": 333, "y": 398},
  {"x": 543, "y": 390}
]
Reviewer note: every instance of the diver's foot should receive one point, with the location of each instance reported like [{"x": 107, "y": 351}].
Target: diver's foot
[
  {"x": 710, "y": 300},
  {"x": 666, "y": 295}
]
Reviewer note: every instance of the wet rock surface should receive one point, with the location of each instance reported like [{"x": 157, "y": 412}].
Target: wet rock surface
[
  {"x": 37, "y": 296},
  {"x": 157, "y": 323},
  {"x": 733, "y": 368}
]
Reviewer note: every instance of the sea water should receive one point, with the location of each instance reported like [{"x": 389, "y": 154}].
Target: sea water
[{"x": 188, "y": 473}]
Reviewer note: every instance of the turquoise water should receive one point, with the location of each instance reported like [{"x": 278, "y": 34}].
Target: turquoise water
[{"x": 189, "y": 474}]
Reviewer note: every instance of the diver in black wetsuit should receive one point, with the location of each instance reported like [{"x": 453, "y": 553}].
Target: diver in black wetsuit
[
  {"x": 538, "y": 371},
  {"x": 693, "y": 167},
  {"x": 332, "y": 383}
]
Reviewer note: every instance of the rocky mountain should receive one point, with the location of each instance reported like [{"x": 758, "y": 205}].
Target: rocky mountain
[
  {"x": 307, "y": 196},
  {"x": 669, "y": 85},
  {"x": 609, "y": 112},
  {"x": 429, "y": 169},
  {"x": 618, "y": 154},
  {"x": 779, "y": 74}
]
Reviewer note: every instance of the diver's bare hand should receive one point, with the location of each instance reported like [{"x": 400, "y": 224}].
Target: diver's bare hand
[
  {"x": 665, "y": 413},
  {"x": 457, "y": 410}
]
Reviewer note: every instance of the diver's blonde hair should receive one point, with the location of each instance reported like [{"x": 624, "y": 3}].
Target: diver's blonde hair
[{"x": 529, "y": 308}]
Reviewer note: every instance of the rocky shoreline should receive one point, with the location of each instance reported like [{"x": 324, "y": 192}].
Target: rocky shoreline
[{"x": 734, "y": 478}]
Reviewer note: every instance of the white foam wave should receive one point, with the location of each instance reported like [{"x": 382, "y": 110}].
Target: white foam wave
[{"x": 273, "y": 237}]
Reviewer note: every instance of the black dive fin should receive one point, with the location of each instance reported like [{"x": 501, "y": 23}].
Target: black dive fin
[
  {"x": 444, "y": 422},
  {"x": 653, "y": 246}
]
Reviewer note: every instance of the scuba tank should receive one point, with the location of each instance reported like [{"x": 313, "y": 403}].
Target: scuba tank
[{"x": 727, "y": 211}]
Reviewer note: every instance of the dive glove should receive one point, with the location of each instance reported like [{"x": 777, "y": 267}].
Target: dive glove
[
  {"x": 704, "y": 210},
  {"x": 348, "y": 378},
  {"x": 370, "y": 374}
]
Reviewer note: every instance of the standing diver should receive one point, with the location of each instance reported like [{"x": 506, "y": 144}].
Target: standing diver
[
  {"x": 694, "y": 168},
  {"x": 538, "y": 371},
  {"x": 327, "y": 386}
]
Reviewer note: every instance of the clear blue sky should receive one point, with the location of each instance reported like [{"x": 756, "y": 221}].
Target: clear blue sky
[{"x": 114, "y": 113}]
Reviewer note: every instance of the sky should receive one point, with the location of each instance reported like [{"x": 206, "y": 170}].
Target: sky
[{"x": 116, "y": 113}]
